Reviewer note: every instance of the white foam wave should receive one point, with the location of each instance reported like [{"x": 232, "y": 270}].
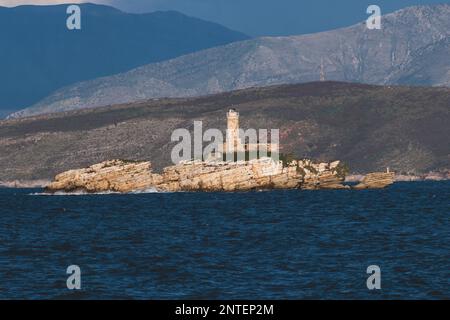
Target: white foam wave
[
  {"x": 84, "y": 193},
  {"x": 150, "y": 190}
]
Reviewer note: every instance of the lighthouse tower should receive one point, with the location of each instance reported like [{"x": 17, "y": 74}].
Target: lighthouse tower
[{"x": 233, "y": 141}]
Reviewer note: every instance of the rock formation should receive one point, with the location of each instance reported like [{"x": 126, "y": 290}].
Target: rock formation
[
  {"x": 115, "y": 176},
  {"x": 376, "y": 180},
  {"x": 264, "y": 173},
  {"x": 321, "y": 176}
]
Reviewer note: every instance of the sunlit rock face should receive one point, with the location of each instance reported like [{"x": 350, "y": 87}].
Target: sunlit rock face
[
  {"x": 264, "y": 173},
  {"x": 376, "y": 180}
]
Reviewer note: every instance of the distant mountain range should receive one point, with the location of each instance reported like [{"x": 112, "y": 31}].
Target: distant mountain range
[
  {"x": 40, "y": 55},
  {"x": 368, "y": 127},
  {"x": 412, "y": 48}
]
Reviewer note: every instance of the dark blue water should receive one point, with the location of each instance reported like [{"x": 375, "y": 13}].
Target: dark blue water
[{"x": 257, "y": 245}]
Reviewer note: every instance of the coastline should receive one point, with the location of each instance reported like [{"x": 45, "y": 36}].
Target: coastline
[
  {"x": 432, "y": 176},
  {"x": 25, "y": 184},
  {"x": 352, "y": 178}
]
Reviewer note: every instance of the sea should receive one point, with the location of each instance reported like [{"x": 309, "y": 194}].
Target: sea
[{"x": 287, "y": 244}]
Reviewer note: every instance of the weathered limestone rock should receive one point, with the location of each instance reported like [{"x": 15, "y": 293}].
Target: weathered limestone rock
[
  {"x": 376, "y": 180},
  {"x": 224, "y": 176},
  {"x": 322, "y": 175},
  {"x": 264, "y": 173},
  {"x": 115, "y": 176}
]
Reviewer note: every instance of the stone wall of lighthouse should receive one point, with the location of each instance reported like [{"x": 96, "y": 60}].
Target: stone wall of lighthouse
[{"x": 234, "y": 142}]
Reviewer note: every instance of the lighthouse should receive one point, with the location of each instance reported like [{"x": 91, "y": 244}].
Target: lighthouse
[
  {"x": 233, "y": 140},
  {"x": 236, "y": 139}
]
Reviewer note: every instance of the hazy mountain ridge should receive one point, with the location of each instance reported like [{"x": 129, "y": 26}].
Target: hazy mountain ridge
[
  {"x": 427, "y": 65},
  {"x": 368, "y": 127},
  {"x": 410, "y": 49},
  {"x": 40, "y": 55}
]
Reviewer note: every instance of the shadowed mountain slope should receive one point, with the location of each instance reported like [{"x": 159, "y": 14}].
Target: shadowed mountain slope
[
  {"x": 411, "y": 48},
  {"x": 40, "y": 55}
]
